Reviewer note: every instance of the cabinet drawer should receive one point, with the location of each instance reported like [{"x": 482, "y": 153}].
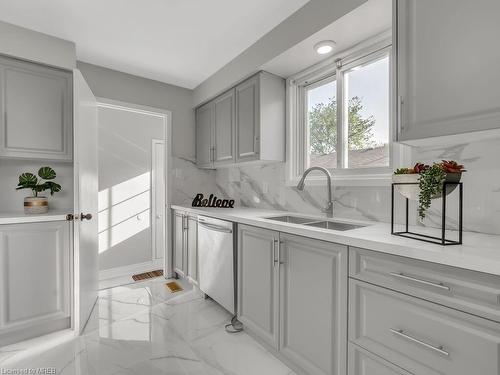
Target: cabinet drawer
[
  {"x": 473, "y": 292},
  {"x": 362, "y": 362},
  {"x": 419, "y": 336}
]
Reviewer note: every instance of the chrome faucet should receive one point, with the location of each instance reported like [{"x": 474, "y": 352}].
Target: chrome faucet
[{"x": 300, "y": 186}]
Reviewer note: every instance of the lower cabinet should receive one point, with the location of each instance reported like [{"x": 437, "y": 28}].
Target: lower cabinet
[
  {"x": 192, "y": 249},
  {"x": 362, "y": 362},
  {"x": 422, "y": 337},
  {"x": 297, "y": 300},
  {"x": 185, "y": 245},
  {"x": 35, "y": 279}
]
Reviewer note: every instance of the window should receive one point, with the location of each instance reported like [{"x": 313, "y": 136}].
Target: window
[{"x": 340, "y": 116}]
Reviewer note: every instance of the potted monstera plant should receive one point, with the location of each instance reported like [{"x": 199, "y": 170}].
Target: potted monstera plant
[
  {"x": 425, "y": 182},
  {"x": 37, "y": 204}
]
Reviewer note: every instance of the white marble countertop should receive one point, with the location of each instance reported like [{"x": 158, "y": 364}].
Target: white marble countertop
[{"x": 479, "y": 252}]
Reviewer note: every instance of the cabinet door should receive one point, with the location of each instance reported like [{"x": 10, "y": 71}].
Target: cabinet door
[
  {"x": 247, "y": 120},
  {"x": 204, "y": 124},
  {"x": 224, "y": 127},
  {"x": 258, "y": 282},
  {"x": 192, "y": 249},
  {"x": 313, "y": 293},
  {"x": 36, "y": 107},
  {"x": 179, "y": 240},
  {"x": 35, "y": 282},
  {"x": 448, "y": 76}
]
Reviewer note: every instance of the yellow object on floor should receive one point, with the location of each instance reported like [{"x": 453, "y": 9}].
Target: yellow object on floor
[{"x": 174, "y": 287}]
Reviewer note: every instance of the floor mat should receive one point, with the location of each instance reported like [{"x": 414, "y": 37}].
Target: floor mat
[{"x": 147, "y": 275}]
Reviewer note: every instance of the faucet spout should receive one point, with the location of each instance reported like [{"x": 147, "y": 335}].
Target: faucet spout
[{"x": 300, "y": 186}]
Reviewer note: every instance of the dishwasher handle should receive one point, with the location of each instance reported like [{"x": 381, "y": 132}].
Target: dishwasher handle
[{"x": 217, "y": 228}]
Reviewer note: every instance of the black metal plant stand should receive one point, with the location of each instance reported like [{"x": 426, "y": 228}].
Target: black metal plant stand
[{"x": 423, "y": 237}]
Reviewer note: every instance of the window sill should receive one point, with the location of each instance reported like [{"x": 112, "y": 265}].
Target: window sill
[{"x": 379, "y": 179}]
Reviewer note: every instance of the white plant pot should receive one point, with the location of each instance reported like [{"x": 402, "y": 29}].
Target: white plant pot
[
  {"x": 412, "y": 192},
  {"x": 36, "y": 205}
]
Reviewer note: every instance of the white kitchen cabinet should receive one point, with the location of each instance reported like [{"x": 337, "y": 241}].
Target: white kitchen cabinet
[
  {"x": 447, "y": 56},
  {"x": 35, "y": 283},
  {"x": 36, "y": 106},
  {"x": 258, "y": 273},
  {"x": 362, "y": 362},
  {"x": 308, "y": 327},
  {"x": 185, "y": 245},
  {"x": 224, "y": 147},
  {"x": 204, "y": 123},
  {"x": 192, "y": 249},
  {"x": 179, "y": 241},
  {"x": 313, "y": 293},
  {"x": 247, "y": 122}
]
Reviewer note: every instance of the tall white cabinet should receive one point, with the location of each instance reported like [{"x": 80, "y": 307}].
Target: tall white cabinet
[
  {"x": 448, "y": 81},
  {"x": 36, "y": 251}
]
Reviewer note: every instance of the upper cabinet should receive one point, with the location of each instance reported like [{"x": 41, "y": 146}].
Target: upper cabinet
[
  {"x": 246, "y": 123},
  {"x": 36, "y": 111},
  {"x": 447, "y": 56}
]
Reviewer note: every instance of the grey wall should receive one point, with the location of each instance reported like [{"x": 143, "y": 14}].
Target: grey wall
[
  {"x": 30, "y": 45},
  {"x": 111, "y": 84},
  {"x": 312, "y": 17}
]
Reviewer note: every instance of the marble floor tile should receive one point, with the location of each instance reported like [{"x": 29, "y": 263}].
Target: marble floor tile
[{"x": 144, "y": 329}]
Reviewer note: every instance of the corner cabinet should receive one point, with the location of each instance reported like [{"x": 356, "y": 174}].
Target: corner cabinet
[
  {"x": 35, "y": 283},
  {"x": 447, "y": 76},
  {"x": 246, "y": 123},
  {"x": 298, "y": 304},
  {"x": 36, "y": 111}
]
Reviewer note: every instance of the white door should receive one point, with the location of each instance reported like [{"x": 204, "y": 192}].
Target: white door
[
  {"x": 85, "y": 205},
  {"x": 158, "y": 197}
]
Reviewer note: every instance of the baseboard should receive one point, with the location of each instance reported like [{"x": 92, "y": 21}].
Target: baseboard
[{"x": 130, "y": 270}]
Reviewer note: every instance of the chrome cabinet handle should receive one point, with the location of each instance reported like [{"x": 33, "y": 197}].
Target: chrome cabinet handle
[
  {"x": 275, "y": 255},
  {"x": 281, "y": 242},
  {"x": 401, "y": 333},
  {"x": 400, "y": 116},
  {"x": 425, "y": 282}
]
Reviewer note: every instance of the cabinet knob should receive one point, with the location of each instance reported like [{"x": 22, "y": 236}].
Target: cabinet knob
[{"x": 85, "y": 216}]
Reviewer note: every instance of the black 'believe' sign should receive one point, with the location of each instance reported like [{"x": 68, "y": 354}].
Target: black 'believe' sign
[{"x": 212, "y": 201}]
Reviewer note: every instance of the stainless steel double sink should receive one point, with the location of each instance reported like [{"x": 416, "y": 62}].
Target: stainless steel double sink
[{"x": 311, "y": 222}]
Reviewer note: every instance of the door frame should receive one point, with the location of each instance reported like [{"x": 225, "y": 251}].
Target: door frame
[{"x": 167, "y": 131}]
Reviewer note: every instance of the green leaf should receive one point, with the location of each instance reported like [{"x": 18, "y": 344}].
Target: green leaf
[
  {"x": 27, "y": 180},
  {"x": 47, "y": 173},
  {"x": 53, "y": 187}
]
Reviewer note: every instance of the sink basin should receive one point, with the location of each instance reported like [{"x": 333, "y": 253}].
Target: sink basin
[
  {"x": 333, "y": 225},
  {"x": 292, "y": 219},
  {"x": 312, "y": 222}
]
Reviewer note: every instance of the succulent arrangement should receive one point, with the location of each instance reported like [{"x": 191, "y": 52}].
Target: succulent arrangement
[
  {"x": 30, "y": 181},
  {"x": 431, "y": 179}
]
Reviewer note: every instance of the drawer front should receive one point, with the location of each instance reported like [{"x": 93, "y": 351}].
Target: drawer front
[
  {"x": 469, "y": 291},
  {"x": 362, "y": 362},
  {"x": 419, "y": 336}
]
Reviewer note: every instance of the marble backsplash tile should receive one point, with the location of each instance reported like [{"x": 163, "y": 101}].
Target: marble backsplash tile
[{"x": 263, "y": 186}]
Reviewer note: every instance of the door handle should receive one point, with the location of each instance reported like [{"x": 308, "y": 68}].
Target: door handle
[{"x": 85, "y": 216}]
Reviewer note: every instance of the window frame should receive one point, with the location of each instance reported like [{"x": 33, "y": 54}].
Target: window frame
[{"x": 331, "y": 69}]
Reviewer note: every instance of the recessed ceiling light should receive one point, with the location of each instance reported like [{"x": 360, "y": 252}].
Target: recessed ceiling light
[{"x": 324, "y": 47}]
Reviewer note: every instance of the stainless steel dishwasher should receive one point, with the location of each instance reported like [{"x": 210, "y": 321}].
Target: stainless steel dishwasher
[{"x": 216, "y": 261}]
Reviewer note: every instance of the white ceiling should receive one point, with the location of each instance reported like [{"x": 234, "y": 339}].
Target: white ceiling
[
  {"x": 369, "y": 19},
  {"x": 182, "y": 42}
]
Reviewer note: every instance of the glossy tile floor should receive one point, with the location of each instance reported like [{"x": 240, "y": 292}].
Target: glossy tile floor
[{"x": 144, "y": 329}]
